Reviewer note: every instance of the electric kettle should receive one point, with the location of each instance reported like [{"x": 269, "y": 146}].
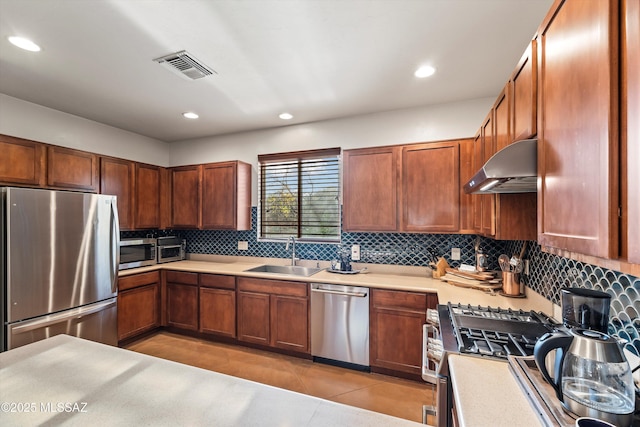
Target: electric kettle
[{"x": 592, "y": 377}]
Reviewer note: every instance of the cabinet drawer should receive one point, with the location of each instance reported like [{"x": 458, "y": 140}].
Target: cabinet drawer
[
  {"x": 278, "y": 287},
  {"x": 137, "y": 280},
  {"x": 217, "y": 281},
  {"x": 399, "y": 299},
  {"x": 182, "y": 277}
]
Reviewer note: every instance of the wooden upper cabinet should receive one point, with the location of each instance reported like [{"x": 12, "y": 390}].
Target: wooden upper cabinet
[
  {"x": 487, "y": 201},
  {"x": 147, "y": 196},
  {"x": 630, "y": 92},
  {"x": 578, "y": 128},
  {"x": 22, "y": 161},
  {"x": 523, "y": 94},
  {"x": 467, "y": 201},
  {"x": 431, "y": 187},
  {"x": 117, "y": 179},
  {"x": 478, "y": 160},
  {"x": 226, "y": 196},
  {"x": 72, "y": 169},
  {"x": 370, "y": 189},
  {"x": 501, "y": 115},
  {"x": 186, "y": 184}
]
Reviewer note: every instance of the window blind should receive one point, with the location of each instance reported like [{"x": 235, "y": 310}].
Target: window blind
[{"x": 300, "y": 195}]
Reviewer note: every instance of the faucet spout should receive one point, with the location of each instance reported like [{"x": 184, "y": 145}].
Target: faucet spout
[{"x": 292, "y": 240}]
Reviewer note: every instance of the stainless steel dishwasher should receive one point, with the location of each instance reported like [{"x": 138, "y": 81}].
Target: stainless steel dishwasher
[{"x": 340, "y": 325}]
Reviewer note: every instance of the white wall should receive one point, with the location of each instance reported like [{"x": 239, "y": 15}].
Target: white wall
[
  {"x": 32, "y": 121},
  {"x": 432, "y": 123},
  {"x": 424, "y": 124}
]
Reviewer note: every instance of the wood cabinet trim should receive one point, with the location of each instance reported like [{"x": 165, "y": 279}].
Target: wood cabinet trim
[
  {"x": 136, "y": 280},
  {"x": 268, "y": 286},
  {"x": 217, "y": 281},
  {"x": 181, "y": 277}
]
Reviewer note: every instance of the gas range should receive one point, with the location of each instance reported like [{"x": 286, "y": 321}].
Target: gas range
[
  {"x": 489, "y": 332},
  {"x": 494, "y": 332}
]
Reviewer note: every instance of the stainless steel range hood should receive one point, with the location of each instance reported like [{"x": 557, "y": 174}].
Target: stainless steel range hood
[{"x": 514, "y": 169}]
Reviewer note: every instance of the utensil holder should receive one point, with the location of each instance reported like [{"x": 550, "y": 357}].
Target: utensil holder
[{"x": 510, "y": 283}]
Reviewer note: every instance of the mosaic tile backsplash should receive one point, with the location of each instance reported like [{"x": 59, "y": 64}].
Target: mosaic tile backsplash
[{"x": 548, "y": 272}]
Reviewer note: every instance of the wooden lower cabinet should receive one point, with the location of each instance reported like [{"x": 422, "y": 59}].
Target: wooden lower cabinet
[
  {"x": 182, "y": 300},
  {"x": 289, "y": 325},
  {"x": 274, "y": 313},
  {"x": 138, "y": 304},
  {"x": 253, "y": 317},
  {"x": 217, "y": 299},
  {"x": 395, "y": 329}
]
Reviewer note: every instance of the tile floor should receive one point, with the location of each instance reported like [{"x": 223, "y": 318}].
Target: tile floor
[{"x": 380, "y": 393}]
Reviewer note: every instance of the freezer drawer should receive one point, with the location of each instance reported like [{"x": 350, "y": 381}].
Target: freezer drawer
[{"x": 96, "y": 322}]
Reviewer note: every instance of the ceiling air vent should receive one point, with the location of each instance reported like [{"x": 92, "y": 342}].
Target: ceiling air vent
[{"x": 185, "y": 64}]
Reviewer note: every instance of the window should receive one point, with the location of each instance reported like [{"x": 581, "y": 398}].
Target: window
[{"x": 300, "y": 195}]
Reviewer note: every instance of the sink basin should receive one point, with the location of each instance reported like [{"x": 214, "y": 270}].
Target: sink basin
[{"x": 292, "y": 270}]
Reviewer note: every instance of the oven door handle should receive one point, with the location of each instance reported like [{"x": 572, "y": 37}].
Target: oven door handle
[{"x": 428, "y": 375}]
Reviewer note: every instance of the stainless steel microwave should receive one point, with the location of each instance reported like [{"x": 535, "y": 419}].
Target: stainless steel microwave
[
  {"x": 171, "y": 248},
  {"x": 137, "y": 253}
]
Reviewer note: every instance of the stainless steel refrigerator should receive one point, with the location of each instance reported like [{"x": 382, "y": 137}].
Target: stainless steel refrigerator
[{"x": 59, "y": 266}]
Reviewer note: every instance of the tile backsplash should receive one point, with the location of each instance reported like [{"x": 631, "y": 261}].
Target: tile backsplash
[{"x": 548, "y": 272}]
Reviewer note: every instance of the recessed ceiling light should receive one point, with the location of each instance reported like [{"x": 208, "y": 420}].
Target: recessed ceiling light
[
  {"x": 285, "y": 116},
  {"x": 424, "y": 71},
  {"x": 190, "y": 115},
  {"x": 25, "y": 44}
]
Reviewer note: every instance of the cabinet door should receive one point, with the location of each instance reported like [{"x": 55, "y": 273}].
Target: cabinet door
[
  {"x": 396, "y": 320},
  {"x": 370, "y": 189},
  {"x": 487, "y": 201},
  {"x": 466, "y": 200},
  {"x": 290, "y": 323},
  {"x": 218, "y": 311},
  {"x": 501, "y": 116},
  {"x": 72, "y": 169},
  {"x": 477, "y": 164},
  {"x": 138, "y": 310},
  {"x": 524, "y": 93},
  {"x": 182, "y": 306},
  {"x": 186, "y": 182},
  {"x": 226, "y": 196},
  {"x": 22, "y": 162},
  {"x": 254, "y": 317},
  {"x": 631, "y": 127},
  {"x": 147, "y": 196},
  {"x": 577, "y": 128},
  {"x": 116, "y": 178},
  {"x": 431, "y": 187}
]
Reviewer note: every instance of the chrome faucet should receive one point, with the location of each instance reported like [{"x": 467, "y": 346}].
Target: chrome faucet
[{"x": 293, "y": 249}]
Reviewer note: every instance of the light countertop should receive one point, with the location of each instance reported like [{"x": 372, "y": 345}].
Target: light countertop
[
  {"x": 487, "y": 394},
  {"x": 73, "y": 382},
  {"x": 485, "y": 390},
  {"x": 381, "y": 277}
]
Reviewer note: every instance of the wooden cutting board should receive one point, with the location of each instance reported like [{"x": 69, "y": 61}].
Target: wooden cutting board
[
  {"x": 470, "y": 283},
  {"x": 482, "y": 276}
]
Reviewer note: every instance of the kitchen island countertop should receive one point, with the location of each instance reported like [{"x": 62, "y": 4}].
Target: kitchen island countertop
[{"x": 70, "y": 381}]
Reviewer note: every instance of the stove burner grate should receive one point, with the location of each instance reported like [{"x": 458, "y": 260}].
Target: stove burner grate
[{"x": 495, "y": 332}]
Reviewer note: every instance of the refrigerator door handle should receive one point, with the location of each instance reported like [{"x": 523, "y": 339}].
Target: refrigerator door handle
[
  {"x": 115, "y": 249},
  {"x": 76, "y": 313}
]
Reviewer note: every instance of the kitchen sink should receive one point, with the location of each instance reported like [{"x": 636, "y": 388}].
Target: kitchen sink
[{"x": 292, "y": 270}]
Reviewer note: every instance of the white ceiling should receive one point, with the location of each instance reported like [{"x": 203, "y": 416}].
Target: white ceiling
[{"x": 317, "y": 59}]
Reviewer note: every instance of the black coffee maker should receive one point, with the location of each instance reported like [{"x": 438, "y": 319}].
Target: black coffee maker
[{"x": 585, "y": 308}]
